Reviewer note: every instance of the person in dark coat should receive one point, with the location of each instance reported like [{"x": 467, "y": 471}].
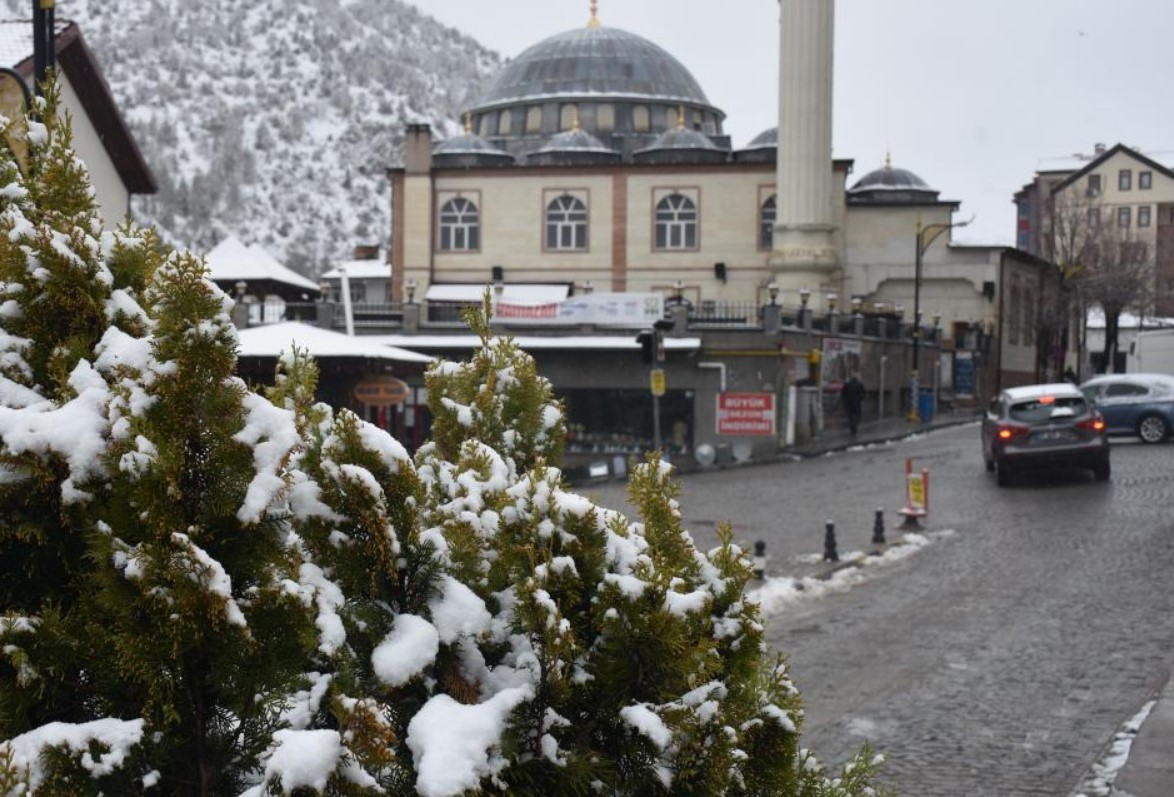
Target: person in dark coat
[{"x": 853, "y": 398}]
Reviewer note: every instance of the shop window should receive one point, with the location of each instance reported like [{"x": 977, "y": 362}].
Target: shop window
[
  {"x": 460, "y": 226},
  {"x": 766, "y": 227},
  {"x": 676, "y": 223},
  {"x": 619, "y": 422},
  {"x": 566, "y": 224}
]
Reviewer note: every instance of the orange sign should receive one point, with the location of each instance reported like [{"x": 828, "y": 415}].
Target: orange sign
[{"x": 381, "y": 391}]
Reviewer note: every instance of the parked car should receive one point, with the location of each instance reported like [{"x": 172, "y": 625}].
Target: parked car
[
  {"x": 1037, "y": 427},
  {"x": 1134, "y": 404}
]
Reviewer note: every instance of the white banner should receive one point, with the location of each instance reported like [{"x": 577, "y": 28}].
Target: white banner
[{"x": 634, "y": 310}]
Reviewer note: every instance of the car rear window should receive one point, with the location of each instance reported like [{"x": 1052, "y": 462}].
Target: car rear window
[{"x": 1040, "y": 409}]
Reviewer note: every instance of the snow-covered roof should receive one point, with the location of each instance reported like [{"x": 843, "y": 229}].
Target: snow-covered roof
[
  {"x": 231, "y": 260},
  {"x": 271, "y": 340},
  {"x": 360, "y": 269},
  {"x": 16, "y": 39},
  {"x": 1096, "y": 320},
  {"x": 516, "y": 293},
  {"x": 535, "y": 342}
]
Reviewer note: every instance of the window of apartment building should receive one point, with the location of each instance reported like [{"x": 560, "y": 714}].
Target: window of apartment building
[
  {"x": 1094, "y": 217},
  {"x": 1028, "y": 318},
  {"x": 504, "y": 123},
  {"x": 1094, "y": 185},
  {"x": 1125, "y": 180},
  {"x": 640, "y": 118},
  {"x": 1145, "y": 181},
  {"x": 566, "y": 224},
  {"x": 534, "y": 119},
  {"x": 605, "y": 117},
  {"x": 1013, "y": 317},
  {"x": 676, "y": 223},
  {"x": 460, "y": 226},
  {"x": 1124, "y": 216},
  {"x": 1143, "y": 216},
  {"x": 766, "y": 223}
]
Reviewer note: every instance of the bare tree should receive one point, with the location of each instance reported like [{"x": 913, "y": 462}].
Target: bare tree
[{"x": 1118, "y": 275}]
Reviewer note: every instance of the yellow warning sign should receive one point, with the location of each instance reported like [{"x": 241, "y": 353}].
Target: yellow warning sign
[
  {"x": 916, "y": 489},
  {"x": 656, "y": 381}
]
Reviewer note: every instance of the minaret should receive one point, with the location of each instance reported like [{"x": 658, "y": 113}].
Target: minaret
[{"x": 805, "y": 253}]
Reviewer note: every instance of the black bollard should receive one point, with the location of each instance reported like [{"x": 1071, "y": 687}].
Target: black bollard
[
  {"x": 760, "y": 560},
  {"x": 878, "y": 528},
  {"x": 829, "y": 543}
]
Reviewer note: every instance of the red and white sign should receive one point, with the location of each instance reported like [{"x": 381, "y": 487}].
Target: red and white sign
[{"x": 745, "y": 414}]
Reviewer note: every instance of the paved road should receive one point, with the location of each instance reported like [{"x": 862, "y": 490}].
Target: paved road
[{"x": 998, "y": 660}]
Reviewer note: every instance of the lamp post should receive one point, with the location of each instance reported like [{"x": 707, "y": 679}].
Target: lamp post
[
  {"x": 411, "y": 286},
  {"x": 773, "y": 290},
  {"x": 926, "y": 235}
]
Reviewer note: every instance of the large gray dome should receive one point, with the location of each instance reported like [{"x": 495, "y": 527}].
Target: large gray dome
[{"x": 593, "y": 61}]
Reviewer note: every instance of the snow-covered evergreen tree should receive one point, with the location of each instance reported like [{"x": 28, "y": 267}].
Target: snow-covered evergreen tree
[{"x": 208, "y": 591}]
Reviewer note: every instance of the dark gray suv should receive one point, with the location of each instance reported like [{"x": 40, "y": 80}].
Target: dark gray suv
[{"x": 1043, "y": 426}]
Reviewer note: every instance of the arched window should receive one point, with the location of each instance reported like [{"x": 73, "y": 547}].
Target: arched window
[
  {"x": 460, "y": 226},
  {"x": 640, "y": 118},
  {"x": 504, "y": 123},
  {"x": 487, "y": 125},
  {"x": 766, "y": 226},
  {"x": 567, "y": 116},
  {"x": 534, "y": 119},
  {"x": 605, "y": 117},
  {"x": 676, "y": 223},
  {"x": 566, "y": 224}
]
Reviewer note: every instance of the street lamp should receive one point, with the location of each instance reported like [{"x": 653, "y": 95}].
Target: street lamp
[
  {"x": 411, "y": 286},
  {"x": 773, "y": 290},
  {"x": 926, "y": 235},
  {"x": 857, "y": 303},
  {"x": 831, "y": 299},
  {"x": 804, "y": 297}
]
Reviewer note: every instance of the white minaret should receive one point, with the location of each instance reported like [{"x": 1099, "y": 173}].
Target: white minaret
[{"x": 805, "y": 255}]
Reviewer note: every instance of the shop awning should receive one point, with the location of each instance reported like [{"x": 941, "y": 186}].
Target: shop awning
[{"x": 511, "y": 294}]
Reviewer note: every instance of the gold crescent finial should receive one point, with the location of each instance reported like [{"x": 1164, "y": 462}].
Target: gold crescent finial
[
  {"x": 468, "y": 124},
  {"x": 594, "y": 21}
]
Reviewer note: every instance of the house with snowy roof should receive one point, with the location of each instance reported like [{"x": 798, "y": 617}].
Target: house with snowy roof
[
  {"x": 260, "y": 283},
  {"x": 101, "y": 137}
]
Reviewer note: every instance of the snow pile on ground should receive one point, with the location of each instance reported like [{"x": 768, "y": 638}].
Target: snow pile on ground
[
  {"x": 776, "y": 593},
  {"x": 1099, "y": 782}
]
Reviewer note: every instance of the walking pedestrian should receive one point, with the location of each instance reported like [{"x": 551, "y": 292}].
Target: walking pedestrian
[{"x": 852, "y": 395}]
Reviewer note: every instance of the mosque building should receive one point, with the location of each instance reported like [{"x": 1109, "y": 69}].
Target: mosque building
[{"x": 596, "y": 163}]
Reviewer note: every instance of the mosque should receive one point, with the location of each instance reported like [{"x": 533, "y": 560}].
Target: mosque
[{"x": 596, "y": 164}]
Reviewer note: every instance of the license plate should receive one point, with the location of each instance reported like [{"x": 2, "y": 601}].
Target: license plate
[{"x": 1053, "y": 435}]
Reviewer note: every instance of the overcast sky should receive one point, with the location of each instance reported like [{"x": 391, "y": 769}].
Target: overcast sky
[{"x": 971, "y": 96}]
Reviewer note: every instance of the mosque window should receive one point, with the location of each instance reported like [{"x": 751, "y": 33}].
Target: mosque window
[
  {"x": 710, "y": 126},
  {"x": 605, "y": 117},
  {"x": 640, "y": 119},
  {"x": 504, "y": 123},
  {"x": 534, "y": 119},
  {"x": 697, "y": 120},
  {"x": 766, "y": 226},
  {"x": 671, "y": 115},
  {"x": 676, "y": 223},
  {"x": 460, "y": 226},
  {"x": 567, "y": 116},
  {"x": 566, "y": 224},
  {"x": 487, "y": 125}
]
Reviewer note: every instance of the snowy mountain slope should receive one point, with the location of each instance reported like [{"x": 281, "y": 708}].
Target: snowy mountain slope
[{"x": 274, "y": 120}]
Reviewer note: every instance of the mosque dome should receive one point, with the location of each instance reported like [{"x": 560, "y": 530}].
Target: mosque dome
[
  {"x": 889, "y": 184},
  {"x": 681, "y": 143},
  {"x": 573, "y": 146},
  {"x": 620, "y": 87},
  {"x": 469, "y": 149},
  {"x": 762, "y": 148}
]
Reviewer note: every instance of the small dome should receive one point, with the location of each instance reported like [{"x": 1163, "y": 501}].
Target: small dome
[
  {"x": 674, "y": 146},
  {"x": 889, "y": 184},
  {"x": 574, "y": 146},
  {"x": 469, "y": 149},
  {"x": 767, "y": 138}
]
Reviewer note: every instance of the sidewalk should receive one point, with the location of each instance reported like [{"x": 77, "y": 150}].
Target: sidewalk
[
  {"x": 896, "y": 427},
  {"x": 1149, "y": 769}
]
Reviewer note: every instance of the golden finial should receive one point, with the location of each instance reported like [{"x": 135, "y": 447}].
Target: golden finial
[
  {"x": 680, "y": 117},
  {"x": 575, "y": 118},
  {"x": 468, "y": 124},
  {"x": 594, "y": 21},
  {"x": 888, "y": 161}
]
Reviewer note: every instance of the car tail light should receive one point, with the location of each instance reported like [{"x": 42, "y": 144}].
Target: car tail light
[
  {"x": 1096, "y": 423},
  {"x": 1009, "y": 431}
]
